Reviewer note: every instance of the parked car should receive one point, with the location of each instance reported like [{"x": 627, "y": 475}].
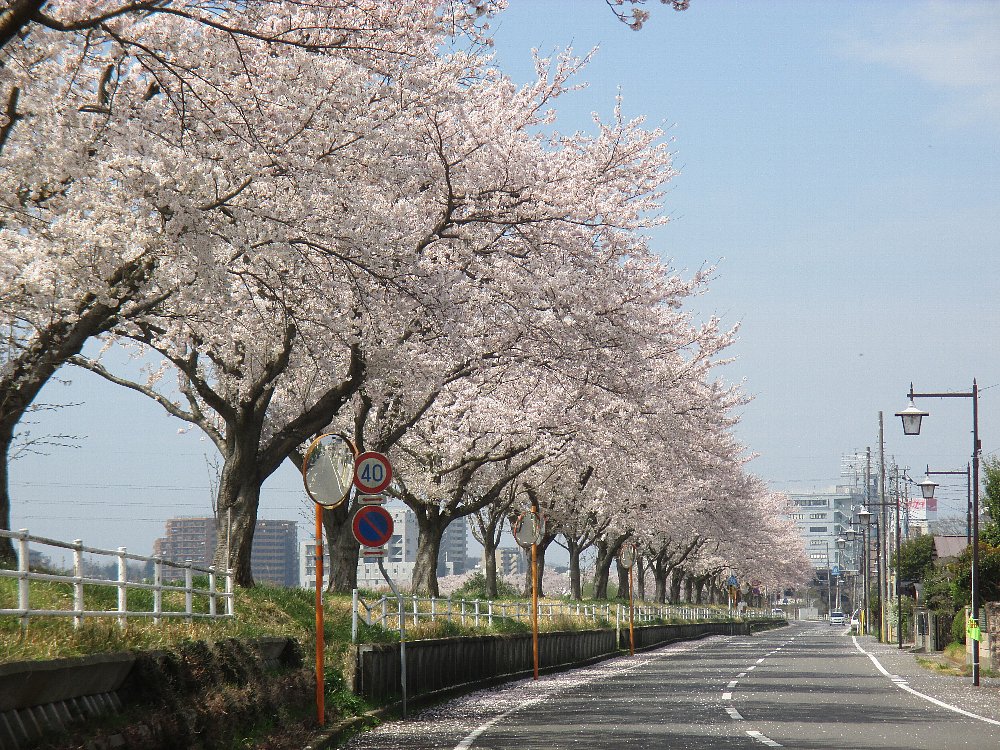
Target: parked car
[
  {"x": 856, "y": 621},
  {"x": 778, "y": 612},
  {"x": 836, "y": 617}
]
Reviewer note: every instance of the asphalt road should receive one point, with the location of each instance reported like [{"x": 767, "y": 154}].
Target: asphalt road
[{"x": 804, "y": 686}]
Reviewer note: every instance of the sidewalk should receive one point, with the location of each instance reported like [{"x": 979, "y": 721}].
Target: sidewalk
[{"x": 953, "y": 690}]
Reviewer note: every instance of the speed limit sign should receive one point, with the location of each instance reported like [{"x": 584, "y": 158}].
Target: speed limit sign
[{"x": 372, "y": 473}]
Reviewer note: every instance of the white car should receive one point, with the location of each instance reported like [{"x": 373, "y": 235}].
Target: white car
[
  {"x": 778, "y": 612},
  {"x": 836, "y": 618},
  {"x": 855, "y": 622}
]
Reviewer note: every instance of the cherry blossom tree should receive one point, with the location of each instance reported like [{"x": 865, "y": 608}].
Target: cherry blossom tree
[{"x": 155, "y": 142}]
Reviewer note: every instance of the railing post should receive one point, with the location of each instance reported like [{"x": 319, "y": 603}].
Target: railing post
[
  {"x": 23, "y": 582},
  {"x": 415, "y": 611},
  {"x": 463, "y": 611},
  {"x": 489, "y": 613},
  {"x": 78, "y": 582},
  {"x": 477, "y": 612},
  {"x": 157, "y": 589},
  {"x": 354, "y": 616},
  {"x": 122, "y": 586},
  {"x": 385, "y": 612},
  {"x": 211, "y": 591},
  {"x": 230, "y": 595},
  {"x": 433, "y": 608},
  {"x": 188, "y": 591}
]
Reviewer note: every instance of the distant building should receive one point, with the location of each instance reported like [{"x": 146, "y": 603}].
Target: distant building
[
  {"x": 274, "y": 558},
  {"x": 511, "y": 561},
  {"x": 823, "y": 517},
  {"x": 401, "y": 553},
  {"x": 454, "y": 548}
]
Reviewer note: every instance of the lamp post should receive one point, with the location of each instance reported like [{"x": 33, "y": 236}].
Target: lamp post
[{"x": 912, "y": 417}]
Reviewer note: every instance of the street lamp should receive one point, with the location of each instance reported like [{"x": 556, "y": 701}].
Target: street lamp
[
  {"x": 911, "y": 417},
  {"x": 967, "y": 473}
]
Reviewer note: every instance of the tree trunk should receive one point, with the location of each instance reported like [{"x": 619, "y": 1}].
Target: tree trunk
[
  {"x": 540, "y": 549},
  {"x": 343, "y": 549},
  {"x": 602, "y": 568},
  {"x": 660, "y": 575},
  {"x": 242, "y": 522},
  {"x": 575, "y": 580},
  {"x": 640, "y": 578},
  {"x": 431, "y": 524},
  {"x": 8, "y": 558},
  {"x": 622, "y": 583},
  {"x": 236, "y": 508},
  {"x": 676, "y": 580},
  {"x": 699, "y": 591},
  {"x": 490, "y": 570},
  {"x": 689, "y": 589}
]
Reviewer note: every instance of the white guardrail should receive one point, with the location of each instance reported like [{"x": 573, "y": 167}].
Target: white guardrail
[
  {"x": 168, "y": 577},
  {"x": 386, "y": 612}
]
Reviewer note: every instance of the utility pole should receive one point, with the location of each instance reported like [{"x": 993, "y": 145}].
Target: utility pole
[
  {"x": 867, "y": 537},
  {"x": 883, "y": 537}
]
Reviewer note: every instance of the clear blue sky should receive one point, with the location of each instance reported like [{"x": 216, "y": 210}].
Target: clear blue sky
[{"x": 839, "y": 162}]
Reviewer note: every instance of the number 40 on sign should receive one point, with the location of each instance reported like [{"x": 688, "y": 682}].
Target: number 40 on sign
[{"x": 372, "y": 473}]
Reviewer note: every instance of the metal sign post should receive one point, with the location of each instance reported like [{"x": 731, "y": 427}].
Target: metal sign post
[
  {"x": 529, "y": 530},
  {"x": 327, "y": 469},
  {"x": 373, "y": 526}
]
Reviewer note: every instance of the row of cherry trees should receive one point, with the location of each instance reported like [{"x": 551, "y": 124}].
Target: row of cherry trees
[{"x": 339, "y": 214}]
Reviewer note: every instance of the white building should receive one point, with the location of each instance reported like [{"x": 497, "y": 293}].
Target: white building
[{"x": 823, "y": 517}]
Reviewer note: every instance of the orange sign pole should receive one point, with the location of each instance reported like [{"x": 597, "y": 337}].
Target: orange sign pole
[
  {"x": 534, "y": 605},
  {"x": 631, "y": 616},
  {"x": 320, "y": 707}
]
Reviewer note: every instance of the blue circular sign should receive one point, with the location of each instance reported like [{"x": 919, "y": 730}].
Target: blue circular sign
[{"x": 372, "y": 525}]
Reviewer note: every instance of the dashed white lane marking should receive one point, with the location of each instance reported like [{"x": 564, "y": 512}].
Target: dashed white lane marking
[
  {"x": 727, "y": 696},
  {"x": 741, "y": 675},
  {"x": 764, "y": 740},
  {"x": 751, "y": 669},
  {"x": 732, "y": 684},
  {"x": 759, "y": 661},
  {"x": 901, "y": 684},
  {"x": 733, "y": 713}
]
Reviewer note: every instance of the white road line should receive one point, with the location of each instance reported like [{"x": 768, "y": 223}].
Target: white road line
[
  {"x": 764, "y": 740},
  {"x": 669, "y": 651},
  {"x": 474, "y": 735},
  {"x": 733, "y": 713},
  {"x": 741, "y": 675},
  {"x": 901, "y": 684},
  {"x": 759, "y": 661},
  {"x": 732, "y": 684},
  {"x": 751, "y": 669},
  {"x": 727, "y": 696}
]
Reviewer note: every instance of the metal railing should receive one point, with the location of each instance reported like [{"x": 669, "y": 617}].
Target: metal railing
[
  {"x": 168, "y": 577},
  {"x": 386, "y": 613}
]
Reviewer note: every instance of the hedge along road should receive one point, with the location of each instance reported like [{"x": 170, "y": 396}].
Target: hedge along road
[{"x": 805, "y": 686}]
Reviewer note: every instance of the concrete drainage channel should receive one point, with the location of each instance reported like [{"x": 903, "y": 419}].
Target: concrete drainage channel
[{"x": 441, "y": 668}]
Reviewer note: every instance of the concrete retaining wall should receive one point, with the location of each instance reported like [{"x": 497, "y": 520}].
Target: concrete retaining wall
[{"x": 441, "y": 663}]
